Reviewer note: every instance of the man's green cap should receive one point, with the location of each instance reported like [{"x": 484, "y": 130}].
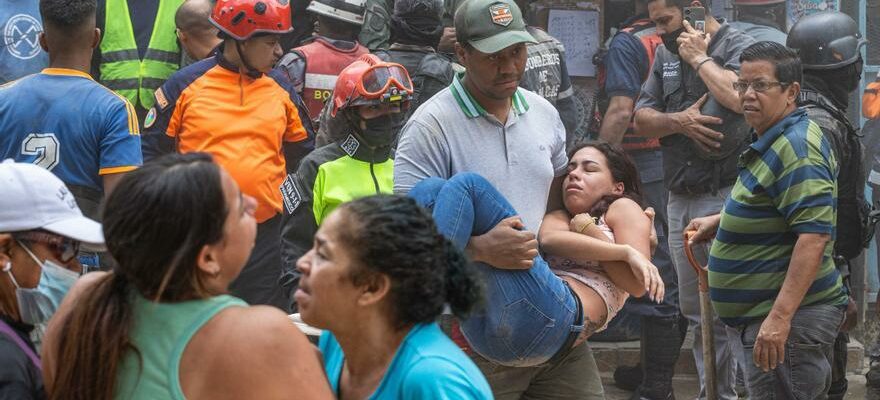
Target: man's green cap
[{"x": 490, "y": 25}]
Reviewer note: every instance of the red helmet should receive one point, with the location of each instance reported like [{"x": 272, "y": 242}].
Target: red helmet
[
  {"x": 369, "y": 80},
  {"x": 241, "y": 19}
]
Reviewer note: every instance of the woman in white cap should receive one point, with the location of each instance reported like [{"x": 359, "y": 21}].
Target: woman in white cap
[
  {"x": 41, "y": 229},
  {"x": 162, "y": 325}
]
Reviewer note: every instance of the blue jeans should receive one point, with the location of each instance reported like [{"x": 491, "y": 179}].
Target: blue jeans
[
  {"x": 805, "y": 373},
  {"x": 528, "y": 314}
]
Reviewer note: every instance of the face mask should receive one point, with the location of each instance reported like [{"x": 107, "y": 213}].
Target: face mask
[
  {"x": 851, "y": 82},
  {"x": 380, "y": 131},
  {"x": 38, "y": 304},
  {"x": 670, "y": 40}
]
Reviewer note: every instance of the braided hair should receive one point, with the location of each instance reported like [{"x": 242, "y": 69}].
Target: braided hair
[{"x": 395, "y": 237}]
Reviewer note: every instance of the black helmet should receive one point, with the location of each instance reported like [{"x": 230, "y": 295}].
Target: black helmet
[
  {"x": 431, "y": 9},
  {"x": 826, "y": 40}
]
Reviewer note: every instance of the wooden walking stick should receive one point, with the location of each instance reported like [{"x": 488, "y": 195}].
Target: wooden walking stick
[{"x": 707, "y": 319}]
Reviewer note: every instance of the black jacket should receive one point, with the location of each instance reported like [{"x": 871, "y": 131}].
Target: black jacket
[{"x": 19, "y": 377}]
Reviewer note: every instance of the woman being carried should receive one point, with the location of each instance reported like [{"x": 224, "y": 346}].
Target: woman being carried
[{"x": 532, "y": 315}]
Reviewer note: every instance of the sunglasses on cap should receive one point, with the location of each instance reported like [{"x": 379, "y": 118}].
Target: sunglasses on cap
[
  {"x": 388, "y": 82},
  {"x": 64, "y": 249}
]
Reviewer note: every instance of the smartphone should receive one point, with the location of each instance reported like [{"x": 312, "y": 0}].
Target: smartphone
[{"x": 696, "y": 16}]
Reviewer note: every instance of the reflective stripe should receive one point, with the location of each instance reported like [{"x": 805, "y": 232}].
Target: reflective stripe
[
  {"x": 122, "y": 84},
  {"x": 122, "y": 68},
  {"x": 162, "y": 56},
  {"x": 132, "y": 55},
  {"x": 341, "y": 10},
  {"x": 133, "y": 84},
  {"x": 120, "y": 55},
  {"x": 320, "y": 81},
  {"x": 151, "y": 83}
]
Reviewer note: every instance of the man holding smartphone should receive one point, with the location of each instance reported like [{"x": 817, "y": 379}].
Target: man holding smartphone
[{"x": 691, "y": 66}]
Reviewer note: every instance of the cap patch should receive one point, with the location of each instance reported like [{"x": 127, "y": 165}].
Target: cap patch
[{"x": 501, "y": 14}]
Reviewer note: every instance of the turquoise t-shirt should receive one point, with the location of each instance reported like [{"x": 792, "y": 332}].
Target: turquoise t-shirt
[{"x": 427, "y": 366}]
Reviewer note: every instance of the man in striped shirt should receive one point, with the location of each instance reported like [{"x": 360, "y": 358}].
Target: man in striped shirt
[{"x": 771, "y": 273}]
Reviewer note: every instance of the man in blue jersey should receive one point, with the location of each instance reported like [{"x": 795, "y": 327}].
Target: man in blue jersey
[{"x": 64, "y": 121}]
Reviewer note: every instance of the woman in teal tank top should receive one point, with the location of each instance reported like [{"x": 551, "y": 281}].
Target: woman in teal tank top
[
  {"x": 162, "y": 326},
  {"x": 376, "y": 280}
]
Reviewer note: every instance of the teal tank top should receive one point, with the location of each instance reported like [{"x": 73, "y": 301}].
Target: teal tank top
[{"x": 161, "y": 331}]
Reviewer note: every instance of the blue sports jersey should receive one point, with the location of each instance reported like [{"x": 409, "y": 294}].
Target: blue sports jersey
[{"x": 64, "y": 121}]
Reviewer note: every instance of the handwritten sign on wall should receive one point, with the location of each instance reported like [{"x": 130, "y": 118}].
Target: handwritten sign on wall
[
  {"x": 800, "y": 8},
  {"x": 578, "y": 30}
]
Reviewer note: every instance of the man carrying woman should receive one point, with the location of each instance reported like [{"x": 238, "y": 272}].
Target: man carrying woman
[{"x": 484, "y": 123}]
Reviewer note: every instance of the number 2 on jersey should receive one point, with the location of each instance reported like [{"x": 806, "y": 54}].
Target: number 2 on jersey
[{"x": 44, "y": 146}]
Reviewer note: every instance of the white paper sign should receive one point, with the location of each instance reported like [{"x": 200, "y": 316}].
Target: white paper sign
[{"x": 578, "y": 30}]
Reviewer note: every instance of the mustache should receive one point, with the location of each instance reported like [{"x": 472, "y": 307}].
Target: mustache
[{"x": 507, "y": 78}]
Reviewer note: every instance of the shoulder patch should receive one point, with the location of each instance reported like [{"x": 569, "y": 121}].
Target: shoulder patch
[
  {"x": 150, "y": 119},
  {"x": 291, "y": 193},
  {"x": 161, "y": 100}
]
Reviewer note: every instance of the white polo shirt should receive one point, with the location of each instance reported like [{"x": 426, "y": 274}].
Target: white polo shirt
[{"x": 452, "y": 133}]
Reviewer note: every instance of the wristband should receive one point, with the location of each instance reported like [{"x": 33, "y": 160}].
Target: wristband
[{"x": 700, "y": 64}]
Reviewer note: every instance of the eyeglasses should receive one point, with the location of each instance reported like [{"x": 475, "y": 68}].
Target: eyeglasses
[
  {"x": 64, "y": 249},
  {"x": 758, "y": 86}
]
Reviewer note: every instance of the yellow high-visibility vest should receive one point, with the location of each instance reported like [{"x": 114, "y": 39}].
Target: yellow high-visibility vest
[{"x": 122, "y": 70}]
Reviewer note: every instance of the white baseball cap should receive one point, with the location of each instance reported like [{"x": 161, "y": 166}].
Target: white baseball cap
[{"x": 31, "y": 197}]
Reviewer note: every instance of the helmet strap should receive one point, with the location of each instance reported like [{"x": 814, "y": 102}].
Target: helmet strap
[{"x": 249, "y": 70}]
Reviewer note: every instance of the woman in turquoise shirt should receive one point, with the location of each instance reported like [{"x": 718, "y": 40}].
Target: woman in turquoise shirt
[
  {"x": 161, "y": 325},
  {"x": 376, "y": 279}
]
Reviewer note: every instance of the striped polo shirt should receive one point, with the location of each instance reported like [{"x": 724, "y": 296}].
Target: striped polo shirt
[{"x": 787, "y": 185}]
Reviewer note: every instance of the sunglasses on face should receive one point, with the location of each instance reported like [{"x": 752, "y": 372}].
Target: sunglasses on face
[{"x": 64, "y": 249}]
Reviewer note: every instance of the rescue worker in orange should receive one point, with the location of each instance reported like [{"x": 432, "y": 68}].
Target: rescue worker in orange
[
  {"x": 248, "y": 116},
  {"x": 313, "y": 67}
]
